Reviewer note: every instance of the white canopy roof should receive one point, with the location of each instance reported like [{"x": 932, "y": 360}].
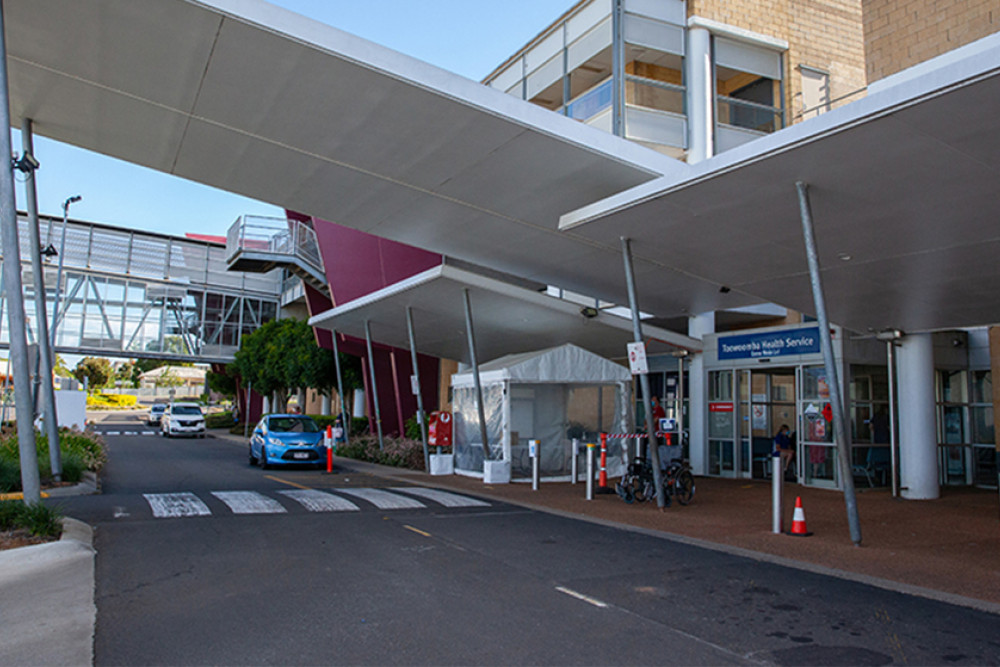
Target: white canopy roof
[
  {"x": 905, "y": 192},
  {"x": 507, "y": 318},
  {"x": 566, "y": 364}
]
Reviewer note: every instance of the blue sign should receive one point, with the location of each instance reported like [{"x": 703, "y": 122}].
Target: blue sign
[{"x": 770, "y": 344}]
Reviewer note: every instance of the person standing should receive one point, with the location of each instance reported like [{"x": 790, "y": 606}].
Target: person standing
[{"x": 783, "y": 445}]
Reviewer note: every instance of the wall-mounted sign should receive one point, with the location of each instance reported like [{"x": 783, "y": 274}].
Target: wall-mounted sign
[
  {"x": 770, "y": 344},
  {"x": 637, "y": 358}
]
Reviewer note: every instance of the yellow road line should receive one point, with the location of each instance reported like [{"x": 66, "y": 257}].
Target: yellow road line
[
  {"x": 285, "y": 481},
  {"x": 416, "y": 530}
]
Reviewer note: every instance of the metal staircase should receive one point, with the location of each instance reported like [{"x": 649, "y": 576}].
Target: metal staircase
[{"x": 258, "y": 244}]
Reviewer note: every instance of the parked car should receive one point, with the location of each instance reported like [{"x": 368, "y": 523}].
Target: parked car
[
  {"x": 285, "y": 439},
  {"x": 155, "y": 413},
  {"x": 183, "y": 419}
]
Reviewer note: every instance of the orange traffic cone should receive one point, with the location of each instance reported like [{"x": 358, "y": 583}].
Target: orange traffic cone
[{"x": 799, "y": 520}]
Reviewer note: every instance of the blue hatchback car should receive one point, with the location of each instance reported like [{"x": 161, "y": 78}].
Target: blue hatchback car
[{"x": 287, "y": 440}]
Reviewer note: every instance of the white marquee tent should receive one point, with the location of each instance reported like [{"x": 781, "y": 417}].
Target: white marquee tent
[{"x": 551, "y": 395}]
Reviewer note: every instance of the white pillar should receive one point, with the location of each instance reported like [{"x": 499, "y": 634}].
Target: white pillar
[
  {"x": 266, "y": 408},
  {"x": 698, "y": 327},
  {"x": 918, "y": 451},
  {"x": 700, "y": 94},
  {"x": 325, "y": 405}
]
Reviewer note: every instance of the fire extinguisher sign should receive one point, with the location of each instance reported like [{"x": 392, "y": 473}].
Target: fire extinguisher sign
[{"x": 637, "y": 359}]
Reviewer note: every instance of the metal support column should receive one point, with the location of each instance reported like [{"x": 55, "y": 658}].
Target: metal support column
[
  {"x": 46, "y": 359},
  {"x": 340, "y": 391},
  {"x": 618, "y": 68},
  {"x": 418, "y": 388},
  {"x": 18, "y": 362},
  {"x": 893, "y": 439},
  {"x": 371, "y": 372},
  {"x": 633, "y": 302},
  {"x": 832, "y": 377},
  {"x": 471, "y": 335}
]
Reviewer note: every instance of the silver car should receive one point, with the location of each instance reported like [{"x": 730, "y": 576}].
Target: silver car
[{"x": 183, "y": 419}]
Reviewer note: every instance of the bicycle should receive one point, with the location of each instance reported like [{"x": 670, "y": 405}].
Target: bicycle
[{"x": 637, "y": 483}]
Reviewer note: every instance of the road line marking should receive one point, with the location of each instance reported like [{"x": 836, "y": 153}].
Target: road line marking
[
  {"x": 285, "y": 481},
  {"x": 170, "y": 505},
  {"x": 382, "y": 499},
  {"x": 416, "y": 530},
  {"x": 112, "y": 433},
  {"x": 249, "y": 502},
  {"x": 581, "y": 596},
  {"x": 320, "y": 501},
  {"x": 443, "y": 497}
]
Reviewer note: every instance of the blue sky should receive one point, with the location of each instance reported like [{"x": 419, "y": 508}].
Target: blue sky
[{"x": 469, "y": 37}]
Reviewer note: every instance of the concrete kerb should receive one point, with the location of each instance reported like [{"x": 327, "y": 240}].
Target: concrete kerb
[
  {"x": 53, "y": 620},
  {"x": 417, "y": 477}
]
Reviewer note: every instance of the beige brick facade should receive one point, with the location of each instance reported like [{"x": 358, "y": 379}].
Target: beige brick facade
[
  {"x": 824, "y": 35},
  {"x": 902, "y": 33}
]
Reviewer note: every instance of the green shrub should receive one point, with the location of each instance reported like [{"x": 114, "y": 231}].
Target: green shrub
[
  {"x": 398, "y": 452},
  {"x": 219, "y": 420},
  {"x": 412, "y": 427},
  {"x": 80, "y": 451},
  {"x": 39, "y": 520}
]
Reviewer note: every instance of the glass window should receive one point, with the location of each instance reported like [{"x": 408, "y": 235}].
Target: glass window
[
  {"x": 814, "y": 384},
  {"x": 954, "y": 387},
  {"x": 982, "y": 425},
  {"x": 720, "y": 386},
  {"x": 982, "y": 387}
]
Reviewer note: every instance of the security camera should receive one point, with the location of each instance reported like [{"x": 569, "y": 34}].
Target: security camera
[
  {"x": 589, "y": 312},
  {"x": 26, "y": 163}
]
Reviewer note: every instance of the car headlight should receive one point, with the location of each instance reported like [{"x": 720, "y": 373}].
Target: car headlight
[{"x": 274, "y": 441}]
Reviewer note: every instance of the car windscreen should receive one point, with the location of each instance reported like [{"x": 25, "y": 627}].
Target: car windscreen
[
  {"x": 186, "y": 410},
  {"x": 292, "y": 425},
  {"x": 158, "y": 408}
]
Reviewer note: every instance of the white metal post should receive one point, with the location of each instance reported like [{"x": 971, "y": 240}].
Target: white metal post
[
  {"x": 470, "y": 333},
  {"x": 371, "y": 373},
  {"x": 633, "y": 301},
  {"x": 777, "y": 480},
  {"x": 419, "y": 389},
  {"x": 18, "y": 363},
  {"x": 590, "y": 471},
  {"x": 46, "y": 358},
  {"x": 340, "y": 390},
  {"x": 832, "y": 377}
]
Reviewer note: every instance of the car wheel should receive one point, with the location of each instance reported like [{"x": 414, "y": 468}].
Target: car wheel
[{"x": 263, "y": 459}]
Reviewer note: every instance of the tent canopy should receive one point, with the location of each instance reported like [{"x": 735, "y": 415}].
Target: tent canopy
[{"x": 563, "y": 364}]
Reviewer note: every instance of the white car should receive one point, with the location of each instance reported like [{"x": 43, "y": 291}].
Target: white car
[
  {"x": 155, "y": 414},
  {"x": 183, "y": 419}
]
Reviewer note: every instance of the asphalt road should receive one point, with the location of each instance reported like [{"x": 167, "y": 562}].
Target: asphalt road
[{"x": 440, "y": 584}]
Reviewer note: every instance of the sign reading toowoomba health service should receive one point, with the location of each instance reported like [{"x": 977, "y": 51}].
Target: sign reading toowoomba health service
[{"x": 770, "y": 344}]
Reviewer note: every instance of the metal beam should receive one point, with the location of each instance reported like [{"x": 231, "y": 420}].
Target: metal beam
[
  {"x": 46, "y": 359},
  {"x": 471, "y": 336},
  {"x": 633, "y": 302},
  {"x": 340, "y": 391},
  {"x": 15, "y": 295},
  {"x": 371, "y": 372},
  {"x": 418, "y": 387},
  {"x": 832, "y": 377}
]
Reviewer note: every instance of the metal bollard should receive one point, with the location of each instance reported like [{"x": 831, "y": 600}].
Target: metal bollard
[
  {"x": 590, "y": 471},
  {"x": 573, "y": 462},
  {"x": 777, "y": 480},
  {"x": 533, "y": 453}
]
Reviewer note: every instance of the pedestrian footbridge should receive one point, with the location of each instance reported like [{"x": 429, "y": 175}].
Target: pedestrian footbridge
[{"x": 136, "y": 294}]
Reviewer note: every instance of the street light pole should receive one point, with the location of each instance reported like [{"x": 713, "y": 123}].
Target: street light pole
[{"x": 59, "y": 272}]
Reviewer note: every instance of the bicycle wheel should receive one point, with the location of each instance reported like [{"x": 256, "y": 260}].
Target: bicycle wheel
[
  {"x": 684, "y": 487},
  {"x": 641, "y": 489},
  {"x": 624, "y": 491}
]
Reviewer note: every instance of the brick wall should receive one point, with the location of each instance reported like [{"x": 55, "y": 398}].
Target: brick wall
[
  {"x": 902, "y": 33},
  {"x": 826, "y": 35}
]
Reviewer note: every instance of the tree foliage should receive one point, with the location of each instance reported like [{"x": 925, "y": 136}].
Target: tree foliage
[
  {"x": 282, "y": 357},
  {"x": 221, "y": 383},
  {"x": 97, "y": 371}
]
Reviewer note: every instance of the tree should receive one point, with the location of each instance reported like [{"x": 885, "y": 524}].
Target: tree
[
  {"x": 283, "y": 356},
  {"x": 168, "y": 379},
  {"x": 125, "y": 372},
  {"x": 96, "y": 371},
  {"x": 221, "y": 383},
  {"x": 61, "y": 369}
]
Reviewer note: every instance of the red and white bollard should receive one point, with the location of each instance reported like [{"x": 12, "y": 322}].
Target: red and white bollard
[
  {"x": 329, "y": 449},
  {"x": 602, "y": 480}
]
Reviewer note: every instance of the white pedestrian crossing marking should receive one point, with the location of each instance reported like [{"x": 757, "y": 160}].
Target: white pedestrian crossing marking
[
  {"x": 382, "y": 499},
  {"x": 320, "y": 501},
  {"x": 168, "y": 505},
  {"x": 442, "y": 497},
  {"x": 249, "y": 502}
]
